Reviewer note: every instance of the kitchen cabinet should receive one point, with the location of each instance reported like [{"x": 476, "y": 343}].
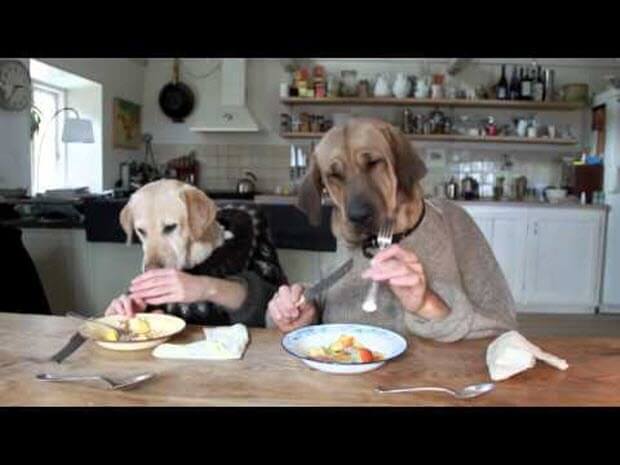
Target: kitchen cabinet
[
  {"x": 564, "y": 259},
  {"x": 505, "y": 229},
  {"x": 551, "y": 257}
]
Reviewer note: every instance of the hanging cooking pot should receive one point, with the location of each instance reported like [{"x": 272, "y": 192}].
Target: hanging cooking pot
[{"x": 176, "y": 99}]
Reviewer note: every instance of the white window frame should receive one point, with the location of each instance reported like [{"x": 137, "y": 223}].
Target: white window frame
[{"x": 60, "y": 95}]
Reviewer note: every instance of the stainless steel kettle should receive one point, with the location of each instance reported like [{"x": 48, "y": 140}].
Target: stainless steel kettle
[
  {"x": 247, "y": 185},
  {"x": 469, "y": 189}
]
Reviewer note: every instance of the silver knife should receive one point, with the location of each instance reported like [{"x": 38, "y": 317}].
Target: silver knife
[
  {"x": 320, "y": 286},
  {"x": 74, "y": 344}
]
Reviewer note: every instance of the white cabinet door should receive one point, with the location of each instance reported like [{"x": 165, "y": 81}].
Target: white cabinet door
[
  {"x": 564, "y": 258},
  {"x": 505, "y": 230}
]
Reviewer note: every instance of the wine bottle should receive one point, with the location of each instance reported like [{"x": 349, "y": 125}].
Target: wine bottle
[
  {"x": 502, "y": 86},
  {"x": 539, "y": 86},
  {"x": 515, "y": 86},
  {"x": 526, "y": 86}
]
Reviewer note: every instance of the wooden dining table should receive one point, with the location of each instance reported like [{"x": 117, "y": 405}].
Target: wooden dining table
[{"x": 269, "y": 376}]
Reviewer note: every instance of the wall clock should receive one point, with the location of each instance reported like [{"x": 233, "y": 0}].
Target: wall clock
[{"x": 15, "y": 86}]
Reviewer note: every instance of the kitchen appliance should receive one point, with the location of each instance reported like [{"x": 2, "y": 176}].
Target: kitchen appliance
[
  {"x": 520, "y": 188},
  {"x": 176, "y": 99},
  {"x": 609, "y": 102},
  {"x": 470, "y": 189},
  {"x": 247, "y": 185},
  {"x": 452, "y": 189}
]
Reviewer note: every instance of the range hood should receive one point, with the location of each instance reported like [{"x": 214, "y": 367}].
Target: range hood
[{"x": 230, "y": 113}]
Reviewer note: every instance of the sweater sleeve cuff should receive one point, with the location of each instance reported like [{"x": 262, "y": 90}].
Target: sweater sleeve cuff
[{"x": 453, "y": 327}]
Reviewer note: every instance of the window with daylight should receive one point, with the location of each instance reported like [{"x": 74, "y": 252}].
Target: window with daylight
[{"x": 49, "y": 153}]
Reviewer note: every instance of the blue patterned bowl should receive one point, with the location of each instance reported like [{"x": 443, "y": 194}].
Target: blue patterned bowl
[{"x": 299, "y": 342}]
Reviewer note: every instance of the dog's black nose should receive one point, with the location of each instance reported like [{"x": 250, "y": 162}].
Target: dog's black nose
[{"x": 359, "y": 213}]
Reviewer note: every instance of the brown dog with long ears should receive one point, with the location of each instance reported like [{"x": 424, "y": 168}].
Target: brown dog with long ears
[
  {"x": 371, "y": 172},
  {"x": 432, "y": 284}
]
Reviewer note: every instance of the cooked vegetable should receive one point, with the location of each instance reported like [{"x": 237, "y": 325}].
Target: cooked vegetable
[{"x": 346, "y": 349}]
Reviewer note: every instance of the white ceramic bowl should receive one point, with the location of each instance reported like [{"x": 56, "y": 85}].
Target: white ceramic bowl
[
  {"x": 299, "y": 342},
  {"x": 555, "y": 195},
  {"x": 165, "y": 325}
]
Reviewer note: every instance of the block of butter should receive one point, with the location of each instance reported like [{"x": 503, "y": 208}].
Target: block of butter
[{"x": 220, "y": 343}]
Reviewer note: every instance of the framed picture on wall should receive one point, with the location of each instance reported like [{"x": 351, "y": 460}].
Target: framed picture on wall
[{"x": 127, "y": 124}]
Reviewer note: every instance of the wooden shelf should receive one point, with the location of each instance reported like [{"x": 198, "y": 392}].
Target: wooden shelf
[
  {"x": 455, "y": 138},
  {"x": 455, "y": 103}
]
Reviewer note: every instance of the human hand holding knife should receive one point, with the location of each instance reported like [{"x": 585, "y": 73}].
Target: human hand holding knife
[{"x": 322, "y": 285}]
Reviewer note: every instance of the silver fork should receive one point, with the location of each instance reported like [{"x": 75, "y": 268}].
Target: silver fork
[{"x": 384, "y": 240}]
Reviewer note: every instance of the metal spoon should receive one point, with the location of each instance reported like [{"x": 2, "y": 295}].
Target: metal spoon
[
  {"x": 468, "y": 392},
  {"x": 114, "y": 384}
]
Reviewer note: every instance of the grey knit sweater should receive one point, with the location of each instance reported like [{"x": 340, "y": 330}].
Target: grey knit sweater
[{"x": 460, "y": 267}]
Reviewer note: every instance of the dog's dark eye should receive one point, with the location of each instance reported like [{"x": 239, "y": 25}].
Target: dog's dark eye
[
  {"x": 374, "y": 163},
  {"x": 141, "y": 231},
  {"x": 336, "y": 176},
  {"x": 169, "y": 228}
]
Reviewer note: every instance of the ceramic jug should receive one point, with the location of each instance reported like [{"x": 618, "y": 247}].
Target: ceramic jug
[
  {"x": 422, "y": 88},
  {"x": 382, "y": 87},
  {"x": 402, "y": 86}
]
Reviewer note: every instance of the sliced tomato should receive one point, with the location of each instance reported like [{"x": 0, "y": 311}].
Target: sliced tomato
[{"x": 365, "y": 355}]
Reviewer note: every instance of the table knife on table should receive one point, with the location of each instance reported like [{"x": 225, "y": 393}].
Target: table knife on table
[
  {"x": 317, "y": 288},
  {"x": 74, "y": 344}
]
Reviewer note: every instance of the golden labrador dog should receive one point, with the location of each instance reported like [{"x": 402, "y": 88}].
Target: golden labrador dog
[
  {"x": 371, "y": 173},
  {"x": 175, "y": 223}
]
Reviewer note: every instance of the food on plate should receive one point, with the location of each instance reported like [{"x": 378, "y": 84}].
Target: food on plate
[
  {"x": 346, "y": 349},
  {"x": 132, "y": 329}
]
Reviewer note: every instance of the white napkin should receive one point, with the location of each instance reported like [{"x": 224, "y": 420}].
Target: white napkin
[
  {"x": 221, "y": 343},
  {"x": 511, "y": 353}
]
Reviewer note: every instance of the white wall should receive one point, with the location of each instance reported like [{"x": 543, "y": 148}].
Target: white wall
[
  {"x": 119, "y": 77},
  {"x": 15, "y": 147}
]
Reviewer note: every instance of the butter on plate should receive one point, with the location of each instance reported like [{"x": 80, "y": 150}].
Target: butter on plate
[{"x": 220, "y": 343}]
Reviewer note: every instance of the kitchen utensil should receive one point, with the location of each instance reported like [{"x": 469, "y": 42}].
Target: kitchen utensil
[
  {"x": 549, "y": 80},
  {"x": 382, "y": 87},
  {"x": 470, "y": 188},
  {"x": 388, "y": 343},
  {"x": 176, "y": 99},
  {"x": 468, "y": 392},
  {"x": 74, "y": 344},
  {"x": 384, "y": 240},
  {"x": 113, "y": 384},
  {"x": 553, "y": 195},
  {"x": 247, "y": 184},
  {"x": 402, "y": 86},
  {"x": 452, "y": 189},
  {"x": 520, "y": 187},
  {"x": 322, "y": 285},
  {"x": 422, "y": 88},
  {"x": 348, "y": 86}
]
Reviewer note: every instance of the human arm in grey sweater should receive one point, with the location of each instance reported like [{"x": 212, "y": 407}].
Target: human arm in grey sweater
[{"x": 482, "y": 305}]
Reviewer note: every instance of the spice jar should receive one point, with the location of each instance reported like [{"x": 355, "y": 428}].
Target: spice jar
[{"x": 491, "y": 127}]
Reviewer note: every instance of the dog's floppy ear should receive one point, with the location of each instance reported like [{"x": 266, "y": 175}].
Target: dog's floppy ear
[
  {"x": 126, "y": 220},
  {"x": 408, "y": 165},
  {"x": 310, "y": 190},
  {"x": 201, "y": 211}
]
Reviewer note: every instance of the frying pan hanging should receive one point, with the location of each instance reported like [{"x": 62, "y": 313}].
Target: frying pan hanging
[{"x": 176, "y": 99}]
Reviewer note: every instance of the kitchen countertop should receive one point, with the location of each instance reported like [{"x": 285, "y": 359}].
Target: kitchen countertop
[
  {"x": 268, "y": 376},
  {"x": 292, "y": 200}
]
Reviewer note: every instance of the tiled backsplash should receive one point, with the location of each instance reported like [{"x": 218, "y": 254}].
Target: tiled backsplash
[{"x": 222, "y": 165}]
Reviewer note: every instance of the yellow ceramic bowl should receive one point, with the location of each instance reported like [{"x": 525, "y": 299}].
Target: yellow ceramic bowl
[{"x": 165, "y": 326}]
